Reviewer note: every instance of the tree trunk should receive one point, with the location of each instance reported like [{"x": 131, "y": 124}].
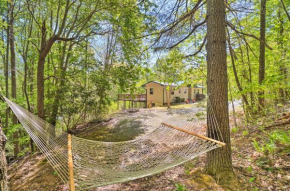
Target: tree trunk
[
  {"x": 3, "y": 162},
  {"x": 219, "y": 161},
  {"x": 60, "y": 84},
  {"x": 233, "y": 105},
  {"x": 6, "y": 71},
  {"x": 13, "y": 77},
  {"x": 261, "y": 93},
  {"x": 168, "y": 93},
  {"x": 244, "y": 97},
  {"x": 282, "y": 67},
  {"x": 45, "y": 48}
]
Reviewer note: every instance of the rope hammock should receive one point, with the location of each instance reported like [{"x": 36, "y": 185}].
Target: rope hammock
[{"x": 98, "y": 163}]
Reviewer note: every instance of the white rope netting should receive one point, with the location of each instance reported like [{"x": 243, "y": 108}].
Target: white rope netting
[{"x": 101, "y": 163}]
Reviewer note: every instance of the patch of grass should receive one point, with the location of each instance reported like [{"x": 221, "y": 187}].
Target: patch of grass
[
  {"x": 180, "y": 187},
  {"x": 263, "y": 162},
  {"x": 250, "y": 169},
  {"x": 235, "y": 129},
  {"x": 246, "y": 132},
  {"x": 189, "y": 166},
  {"x": 252, "y": 179}
]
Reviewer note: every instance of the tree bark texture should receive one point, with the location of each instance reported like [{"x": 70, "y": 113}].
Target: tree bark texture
[
  {"x": 45, "y": 48},
  {"x": 218, "y": 160},
  {"x": 261, "y": 93},
  {"x": 3, "y": 162}
]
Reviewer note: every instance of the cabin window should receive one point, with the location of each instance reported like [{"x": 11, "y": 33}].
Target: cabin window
[
  {"x": 197, "y": 91},
  {"x": 151, "y": 90},
  {"x": 172, "y": 93},
  {"x": 194, "y": 91},
  {"x": 185, "y": 91},
  {"x": 179, "y": 91}
]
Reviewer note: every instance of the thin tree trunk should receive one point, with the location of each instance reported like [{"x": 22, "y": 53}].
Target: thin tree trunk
[
  {"x": 233, "y": 105},
  {"x": 284, "y": 7},
  {"x": 25, "y": 91},
  {"x": 168, "y": 93},
  {"x": 219, "y": 161},
  {"x": 244, "y": 97},
  {"x": 6, "y": 70},
  {"x": 250, "y": 78},
  {"x": 60, "y": 84},
  {"x": 282, "y": 67},
  {"x": 13, "y": 77},
  {"x": 261, "y": 93}
]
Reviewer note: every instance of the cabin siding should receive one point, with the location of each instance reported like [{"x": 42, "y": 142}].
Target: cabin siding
[{"x": 159, "y": 96}]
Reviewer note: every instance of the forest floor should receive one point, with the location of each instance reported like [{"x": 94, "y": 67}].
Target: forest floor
[{"x": 260, "y": 151}]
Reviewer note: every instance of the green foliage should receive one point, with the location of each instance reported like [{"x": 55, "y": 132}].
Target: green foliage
[
  {"x": 180, "y": 187},
  {"x": 235, "y": 129},
  {"x": 252, "y": 179},
  {"x": 274, "y": 141},
  {"x": 250, "y": 169},
  {"x": 245, "y": 133}
]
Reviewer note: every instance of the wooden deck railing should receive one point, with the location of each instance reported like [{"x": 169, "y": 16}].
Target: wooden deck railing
[{"x": 132, "y": 97}]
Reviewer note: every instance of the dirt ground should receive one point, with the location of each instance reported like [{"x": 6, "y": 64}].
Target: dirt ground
[{"x": 254, "y": 170}]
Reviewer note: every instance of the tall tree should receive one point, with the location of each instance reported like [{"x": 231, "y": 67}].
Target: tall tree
[
  {"x": 282, "y": 65},
  {"x": 261, "y": 93},
  {"x": 219, "y": 161},
  {"x": 13, "y": 74},
  {"x": 66, "y": 28},
  {"x": 7, "y": 66},
  {"x": 60, "y": 83}
]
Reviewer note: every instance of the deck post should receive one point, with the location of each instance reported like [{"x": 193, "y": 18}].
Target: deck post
[{"x": 70, "y": 165}]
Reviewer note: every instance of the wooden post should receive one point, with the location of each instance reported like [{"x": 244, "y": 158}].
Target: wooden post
[
  {"x": 194, "y": 134},
  {"x": 70, "y": 165}
]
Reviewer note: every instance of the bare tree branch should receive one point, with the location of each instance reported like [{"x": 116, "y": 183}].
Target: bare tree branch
[
  {"x": 189, "y": 34},
  {"x": 199, "y": 49},
  {"x": 246, "y": 34},
  {"x": 284, "y": 7}
]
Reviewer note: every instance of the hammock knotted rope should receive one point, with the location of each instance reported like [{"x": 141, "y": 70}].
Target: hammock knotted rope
[{"x": 101, "y": 163}]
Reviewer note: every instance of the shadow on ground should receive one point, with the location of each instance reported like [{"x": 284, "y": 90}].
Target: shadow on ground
[{"x": 124, "y": 130}]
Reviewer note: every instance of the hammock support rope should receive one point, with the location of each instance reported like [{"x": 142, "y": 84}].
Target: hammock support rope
[{"x": 86, "y": 164}]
